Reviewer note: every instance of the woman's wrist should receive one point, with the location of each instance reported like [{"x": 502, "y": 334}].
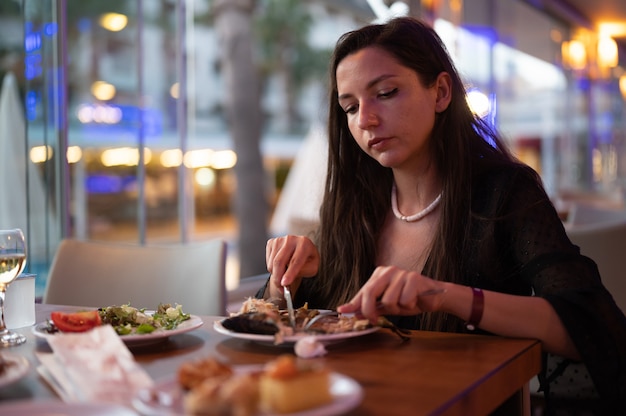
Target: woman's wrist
[
  {"x": 476, "y": 312},
  {"x": 459, "y": 301}
]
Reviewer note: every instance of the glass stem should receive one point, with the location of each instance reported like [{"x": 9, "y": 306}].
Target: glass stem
[{"x": 3, "y": 292}]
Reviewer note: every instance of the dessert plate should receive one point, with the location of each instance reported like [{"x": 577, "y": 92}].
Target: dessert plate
[{"x": 166, "y": 397}]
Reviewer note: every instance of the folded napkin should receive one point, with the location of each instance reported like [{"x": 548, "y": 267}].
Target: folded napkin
[{"x": 92, "y": 366}]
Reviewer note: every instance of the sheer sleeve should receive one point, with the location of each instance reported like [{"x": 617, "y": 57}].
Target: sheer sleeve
[{"x": 542, "y": 256}]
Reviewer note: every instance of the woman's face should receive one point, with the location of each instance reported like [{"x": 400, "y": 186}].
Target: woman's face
[{"x": 389, "y": 112}]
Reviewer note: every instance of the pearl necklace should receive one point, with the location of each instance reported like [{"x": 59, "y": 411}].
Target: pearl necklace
[{"x": 415, "y": 217}]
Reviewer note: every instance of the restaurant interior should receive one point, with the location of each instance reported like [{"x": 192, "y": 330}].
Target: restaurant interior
[
  {"x": 117, "y": 116},
  {"x": 120, "y": 124}
]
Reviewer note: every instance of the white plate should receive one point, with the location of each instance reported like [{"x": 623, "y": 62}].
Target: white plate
[
  {"x": 18, "y": 368},
  {"x": 59, "y": 408},
  {"x": 138, "y": 340},
  {"x": 291, "y": 339},
  {"x": 166, "y": 397}
]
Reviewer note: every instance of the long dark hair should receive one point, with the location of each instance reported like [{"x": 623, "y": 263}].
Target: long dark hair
[{"x": 357, "y": 193}]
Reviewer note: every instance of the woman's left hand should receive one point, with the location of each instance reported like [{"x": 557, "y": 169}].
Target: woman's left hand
[{"x": 394, "y": 291}]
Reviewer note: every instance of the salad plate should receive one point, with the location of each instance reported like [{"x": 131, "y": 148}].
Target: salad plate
[
  {"x": 292, "y": 339},
  {"x": 137, "y": 340},
  {"x": 166, "y": 397},
  {"x": 15, "y": 368}
]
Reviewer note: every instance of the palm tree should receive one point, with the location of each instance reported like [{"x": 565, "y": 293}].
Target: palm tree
[{"x": 233, "y": 22}]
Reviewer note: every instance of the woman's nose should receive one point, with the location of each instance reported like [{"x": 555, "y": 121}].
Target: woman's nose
[{"x": 367, "y": 118}]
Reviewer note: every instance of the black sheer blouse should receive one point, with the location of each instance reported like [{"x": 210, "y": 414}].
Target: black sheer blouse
[{"x": 520, "y": 247}]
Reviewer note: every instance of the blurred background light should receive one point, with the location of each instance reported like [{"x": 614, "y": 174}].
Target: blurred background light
[
  {"x": 171, "y": 158},
  {"x": 478, "y": 102},
  {"x": 574, "y": 54},
  {"x": 113, "y": 21},
  {"x": 40, "y": 154},
  {"x": 124, "y": 156},
  {"x": 607, "y": 52},
  {"x": 205, "y": 177},
  {"x": 224, "y": 159},
  {"x": 103, "y": 91},
  {"x": 74, "y": 154},
  {"x": 105, "y": 114},
  {"x": 198, "y": 158},
  {"x": 174, "y": 91}
]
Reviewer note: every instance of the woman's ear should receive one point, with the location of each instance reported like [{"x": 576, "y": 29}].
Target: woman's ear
[{"x": 444, "y": 91}]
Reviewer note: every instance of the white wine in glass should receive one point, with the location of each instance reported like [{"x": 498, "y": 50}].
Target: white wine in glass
[{"x": 12, "y": 262}]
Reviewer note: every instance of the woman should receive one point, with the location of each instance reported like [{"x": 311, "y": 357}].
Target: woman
[{"x": 423, "y": 197}]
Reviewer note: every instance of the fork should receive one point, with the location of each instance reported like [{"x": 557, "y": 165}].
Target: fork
[{"x": 382, "y": 321}]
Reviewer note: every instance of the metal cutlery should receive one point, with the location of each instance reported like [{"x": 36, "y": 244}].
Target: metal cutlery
[
  {"x": 382, "y": 321},
  {"x": 290, "y": 310}
]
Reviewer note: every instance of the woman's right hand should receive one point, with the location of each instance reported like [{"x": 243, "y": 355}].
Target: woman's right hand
[{"x": 289, "y": 259}]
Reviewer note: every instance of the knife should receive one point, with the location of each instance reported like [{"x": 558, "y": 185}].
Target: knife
[{"x": 290, "y": 311}]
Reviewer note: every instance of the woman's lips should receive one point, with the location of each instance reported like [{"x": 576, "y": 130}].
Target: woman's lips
[{"x": 377, "y": 142}]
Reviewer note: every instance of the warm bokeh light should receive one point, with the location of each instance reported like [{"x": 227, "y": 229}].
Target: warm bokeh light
[
  {"x": 40, "y": 154},
  {"x": 478, "y": 103},
  {"x": 113, "y": 21},
  {"x": 596, "y": 164},
  {"x": 205, "y": 177},
  {"x": 612, "y": 29},
  {"x": 607, "y": 52},
  {"x": 174, "y": 91},
  {"x": 574, "y": 54},
  {"x": 171, "y": 158},
  {"x": 224, "y": 159},
  {"x": 556, "y": 36},
  {"x": 103, "y": 91},
  {"x": 622, "y": 85},
  {"x": 124, "y": 156},
  {"x": 198, "y": 158},
  {"x": 74, "y": 154}
]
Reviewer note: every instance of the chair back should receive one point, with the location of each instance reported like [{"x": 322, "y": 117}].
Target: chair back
[
  {"x": 605, "y": 243},
  {"x": 581, "y": 215},
  {"x": 98, "y": 274}
]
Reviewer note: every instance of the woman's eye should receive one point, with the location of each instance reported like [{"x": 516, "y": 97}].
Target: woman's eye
[
  {"x": 350, "y": 109},
  {"x": 388, "y": 93}
]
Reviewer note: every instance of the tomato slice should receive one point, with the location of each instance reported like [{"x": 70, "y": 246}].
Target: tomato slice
[{"x": 76, "y": 321}]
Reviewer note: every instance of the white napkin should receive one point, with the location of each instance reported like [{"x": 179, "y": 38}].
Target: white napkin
[{"x": 92, "y": 366}]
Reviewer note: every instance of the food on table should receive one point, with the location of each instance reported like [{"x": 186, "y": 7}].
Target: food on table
[
  {"x": 125, "y": 319},
  {"x": 288, "y": 385},
  {"x": 257, "y": 316},
  {"x": 5, "y": 364},
  {"x": 283, "y": 385},
  {"x": 75, "y": 321},
  {"x": 309, "y": 347},
  {"x": 193, "y": 373},
  {"x": 258, "y": 305},
  {"x": 237, "y": 396}
]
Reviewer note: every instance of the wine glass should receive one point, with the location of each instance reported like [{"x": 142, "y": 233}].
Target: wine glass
[{"x": 12, "y": 262}]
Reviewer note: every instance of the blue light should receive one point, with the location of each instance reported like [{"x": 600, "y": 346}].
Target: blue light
[
  {"x": 32, "y": 66},
  {"x": 486, "y": 32},
  {"x": 108, "y": 184},
  {"x": 83, "y": 25},
  {"x": 32, "y": 42},
  {"x": 32, "y": 99},
  {"x": 50, "y": 29}
]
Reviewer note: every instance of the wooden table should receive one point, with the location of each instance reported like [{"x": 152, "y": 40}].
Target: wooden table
[{"x": 433, "y": 374}]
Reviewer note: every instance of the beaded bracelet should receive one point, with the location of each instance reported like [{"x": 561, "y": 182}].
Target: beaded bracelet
[{"x": 478, "y": 303}]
